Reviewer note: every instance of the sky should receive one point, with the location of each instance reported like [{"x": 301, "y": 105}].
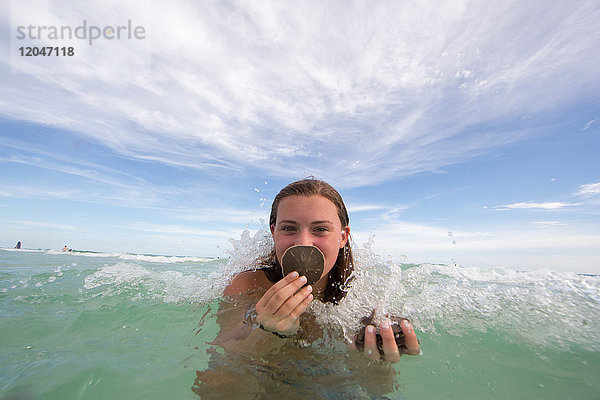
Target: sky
[{"x": 463, "y": 132}]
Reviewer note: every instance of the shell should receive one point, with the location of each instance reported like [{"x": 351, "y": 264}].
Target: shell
[
  {"x": 306, "y": 260},
  {"x": 359, "y": 339}
]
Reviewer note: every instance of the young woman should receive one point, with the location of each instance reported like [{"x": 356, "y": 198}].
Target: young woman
[{"x": 312, "y": 213}]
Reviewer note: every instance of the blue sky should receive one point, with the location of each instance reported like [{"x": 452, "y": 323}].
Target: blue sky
[{"x": 461, "y": 131}]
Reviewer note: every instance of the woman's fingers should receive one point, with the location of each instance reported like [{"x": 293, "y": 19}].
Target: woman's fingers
[
  {"x": 281, "y": 306},
  {"x": 284, "y": 294},
  {"x": 263, "y": 303},
  {"x": 371, "y": 351},
  {"x": 410, "y": 339},
  {"x": 293, "y": 302},
  {"x": 390, "y": 348},
  {"x": 297, "y": 312},
  {"x": 290, "y": 323}
]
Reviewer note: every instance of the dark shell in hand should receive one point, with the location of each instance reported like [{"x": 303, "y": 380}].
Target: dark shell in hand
[
  {"x": 359, "y": 340},
  {"x": 306, "y": 260}
]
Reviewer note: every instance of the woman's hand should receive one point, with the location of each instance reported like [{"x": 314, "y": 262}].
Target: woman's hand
[
  {"x": 280, "y": 307},
  {"x": 390, "y": 348}
]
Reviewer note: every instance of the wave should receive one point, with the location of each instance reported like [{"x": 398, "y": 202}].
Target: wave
[
  {"x": 540, "y": 307},
  {"x": 22, "y": 250},
  {"x": 169, "y": 286},
  {"x": 150, "y": 258}
]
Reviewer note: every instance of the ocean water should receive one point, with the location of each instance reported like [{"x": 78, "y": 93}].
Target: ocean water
[{"x": 83, "y": 325}]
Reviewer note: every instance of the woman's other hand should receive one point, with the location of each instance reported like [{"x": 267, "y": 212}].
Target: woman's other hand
[{"x": 390, "y": 348}]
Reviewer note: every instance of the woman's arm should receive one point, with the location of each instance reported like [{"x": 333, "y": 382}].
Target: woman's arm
[
  {"x": 252, "y": 301},
  {"x": 238, "y": 298}
]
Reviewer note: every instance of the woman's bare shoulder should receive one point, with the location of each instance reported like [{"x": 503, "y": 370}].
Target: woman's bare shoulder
[{"x": 246, "y": 281}]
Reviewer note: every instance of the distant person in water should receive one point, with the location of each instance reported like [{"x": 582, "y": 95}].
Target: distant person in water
[
  {"x": 18, "y": 246},
  {"x": 66, "y": 248},
  {"x": 308, "y": 212}
]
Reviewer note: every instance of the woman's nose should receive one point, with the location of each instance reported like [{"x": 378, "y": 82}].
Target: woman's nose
[{"x": 304, "y": 239}]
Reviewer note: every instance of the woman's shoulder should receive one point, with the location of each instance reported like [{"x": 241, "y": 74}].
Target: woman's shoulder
[{"x": 247, "y": 281}]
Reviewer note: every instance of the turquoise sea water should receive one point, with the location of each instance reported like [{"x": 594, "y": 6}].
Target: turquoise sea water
[{"x": 94, "y": 326}]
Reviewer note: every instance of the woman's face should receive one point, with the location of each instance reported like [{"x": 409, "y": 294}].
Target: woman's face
[{"x": 309, "y": 221}]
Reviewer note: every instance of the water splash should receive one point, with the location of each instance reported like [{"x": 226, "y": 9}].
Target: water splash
[
  {"x": 247, "y": 249},
  {"x": 542, "y": 307},
  {"x": 539, "y": 307},
  {"x": 142, "y": 282}
]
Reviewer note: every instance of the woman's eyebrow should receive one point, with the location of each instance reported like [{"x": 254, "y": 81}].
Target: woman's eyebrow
[
  {"x": 286, "y": 221},
  {"x": 289, "y": 221}
]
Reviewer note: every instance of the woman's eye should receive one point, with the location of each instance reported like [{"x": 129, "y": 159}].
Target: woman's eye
[
  {"x": 288, "y": 228},
  {"x": 321, "y": 229}
]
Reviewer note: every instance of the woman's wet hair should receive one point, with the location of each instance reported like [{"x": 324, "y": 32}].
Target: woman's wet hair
[{"x": 341, "y": 274}]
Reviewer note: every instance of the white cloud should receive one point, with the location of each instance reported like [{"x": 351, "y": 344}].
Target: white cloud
[
  {"x": 542, "y": 206},
  {"x": 587, "y": 126},
  {"x": 222, "y": 214},
  {"x": 534, "y": 240},
  {"x": 394, "y": 212},
  {"x": 50, "y": 225},
  {"x": 181, "y": 230},
  {"x": 589, "y": 190},
  {"x": 522, "y": 248},
  {"x": 359, "y": 208},
  {"x": 421, "y": 236},
  {"x": 235, "y": 85},
  {"x": 99, "y": 184},
  {"x": 81, "y": 168},
  {"x": 36, "y": 192}
]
